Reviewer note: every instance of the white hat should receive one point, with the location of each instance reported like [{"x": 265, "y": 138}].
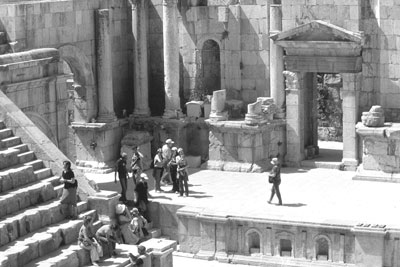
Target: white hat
[
  {"x": 144, "y": 176},
  {"x": 169, "y": 141},
  {"x": 274, "y": 161},
  {"x": 119, "y": 209}
]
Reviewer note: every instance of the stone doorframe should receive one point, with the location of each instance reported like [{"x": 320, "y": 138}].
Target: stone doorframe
[{"x": 320, "y": 47}]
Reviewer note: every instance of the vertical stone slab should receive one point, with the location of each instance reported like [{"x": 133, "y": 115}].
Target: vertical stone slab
[
  {"x": 171, "y": 59},
  {"x": 140, "y": 52},
  {"x": 269, "y": 247},
  {"x": 369, "y": 246},
  {"x": 294, "y": 118},
  {"x": 208, "y": 241},
  {"x": 351, "y": 86},
  {"x": 276, "y": 59},
  {"x": 341, "y": 248},
  {"x": 104, "y": 66}
]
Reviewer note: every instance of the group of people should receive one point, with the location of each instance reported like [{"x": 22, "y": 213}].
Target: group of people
[
  {"x": 129, "y": 228},
  {"x": 170, "y": 167}
]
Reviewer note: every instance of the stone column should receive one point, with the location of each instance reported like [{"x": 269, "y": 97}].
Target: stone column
[
  {"x": 140, "y": 69},
  {"x": 351, "y": 87},
  {"x": 294, "y": 118},
  {"x": 171, "y": 59},
  {"x": 104, "y": 66},
  {"x": 276, "y": 61}
]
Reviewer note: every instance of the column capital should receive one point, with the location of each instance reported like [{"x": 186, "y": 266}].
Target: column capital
[
  {"x": 170, "y": 2},
  {"x": 133, "y": 4}
]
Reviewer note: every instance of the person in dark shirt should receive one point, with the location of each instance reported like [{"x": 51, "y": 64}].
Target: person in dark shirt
[
  {"x": 68, "y": 198},
  {"x": 142, "y": 193},
  {"x": 120, "y": 168}
]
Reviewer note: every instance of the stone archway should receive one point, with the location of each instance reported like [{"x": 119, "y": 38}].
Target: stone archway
[{"x": 85, "y": 91}]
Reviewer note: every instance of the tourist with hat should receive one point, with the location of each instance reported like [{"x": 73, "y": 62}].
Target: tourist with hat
[
  {"x": 138, "y": 225},
  {"x": 124, "y": 219},
  {"x": 120, "y": 168},
  {"x": 141, "y": 196},
  {"x": 275, "y": 179},
  {"x": 108, "y": 235},
  {"x": 167, "y": 155},
  {"x": 137, "y": 164},
  {"x": 87, "y": 240}
]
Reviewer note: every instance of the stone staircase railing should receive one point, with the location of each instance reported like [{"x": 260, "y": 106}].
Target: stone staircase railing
[{"x": 32, "y": 225}]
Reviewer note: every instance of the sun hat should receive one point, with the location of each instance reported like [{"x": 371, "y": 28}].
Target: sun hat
[
  {"x": 144, "y": 176},
  {"x": 119, "y": 209},
  {"x": 174, "y": 148},
  {"x": 274, "y": 161},
  {"x": 169, "y": 141}
]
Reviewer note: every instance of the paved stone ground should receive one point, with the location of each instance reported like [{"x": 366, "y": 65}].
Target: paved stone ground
[{"x": 309, "y": 195}]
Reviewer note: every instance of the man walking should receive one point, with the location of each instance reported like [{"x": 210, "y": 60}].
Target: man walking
[
  {"x": 167, "y": 156},
  {"x": 275, "y": 176}
]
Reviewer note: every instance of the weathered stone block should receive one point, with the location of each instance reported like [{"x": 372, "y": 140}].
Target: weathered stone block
[{"x": 245, "y": 154}]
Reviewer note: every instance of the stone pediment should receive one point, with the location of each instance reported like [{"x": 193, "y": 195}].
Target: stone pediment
[
  {"x": 319, "y": 38},
  {"x": 318, "y": 31}
]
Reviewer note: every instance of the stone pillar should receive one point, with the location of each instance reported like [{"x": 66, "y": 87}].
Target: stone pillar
[
  {"x": 104, "y": 66},
  {"x": 294, "y": 118},
  {"x": 351, "y": 87},
  {"x": 171, "y": 59},
  {"x": 276, "y": 61},
  {"x": 369, "y": 245},
  {"x": 140, "y": 69}
]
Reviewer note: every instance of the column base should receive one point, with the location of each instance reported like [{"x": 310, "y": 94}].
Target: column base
[
  {"x": 219, "y": 116},
  {"x": 141, "y": 112},
  {"x": 172, "y": 114},
  {"x": 108, "y": 117},
  {"x": 349, "y": 164}
]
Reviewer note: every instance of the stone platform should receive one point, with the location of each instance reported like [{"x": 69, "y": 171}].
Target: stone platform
[{"x": 316, "y": 202}]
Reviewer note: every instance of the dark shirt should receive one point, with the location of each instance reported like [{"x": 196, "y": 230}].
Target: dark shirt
[
  {"x": 276, "y": 170},
  {"x": 121, "y": 168},
  {"x": 68, "y": 176},
  {"x": 141, "y": 191}
]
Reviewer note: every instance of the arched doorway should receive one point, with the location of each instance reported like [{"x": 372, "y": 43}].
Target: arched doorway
[
  {"x": 78, "y": 66},
  {"x": 211, "y": 67}
]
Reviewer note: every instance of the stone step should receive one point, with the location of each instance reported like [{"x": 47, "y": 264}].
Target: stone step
[
  {"x": 322, "y": 164},
  {"x": 21, "y": 147},
  {"x": 38, "y": 244},
  {"x": 11, "y": 141},
  {"x": 59, "y": 189},
  {"x": 16, "y": 176},
  {"x": 26, "y": 196},
  {"x": 54, "y": 180},
  {"x": 43, "y": 173},
  {"x": 2, "y": 125},
  {"x": 29, "y": 220},
  {"x": 5, "y": 133},
  {"x": 4, "y": 48},
  {"x": 36, "y": 164},
  {"x": 26, "y": 157},
  {"x": 8, "y": 158}
]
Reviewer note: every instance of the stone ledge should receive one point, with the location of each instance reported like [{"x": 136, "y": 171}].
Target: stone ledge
[
  {"x": 377, "y": 176},
  {"x": 98, "y": 126}
]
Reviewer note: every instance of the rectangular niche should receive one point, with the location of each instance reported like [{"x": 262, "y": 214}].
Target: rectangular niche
[{"x": 285, "y": 248}]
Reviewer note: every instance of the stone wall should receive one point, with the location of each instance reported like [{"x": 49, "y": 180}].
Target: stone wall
[
  {"x": 57, "y": 24},
  {"x": 243, "y": 42}
]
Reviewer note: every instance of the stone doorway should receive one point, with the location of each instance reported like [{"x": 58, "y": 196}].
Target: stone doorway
[
  {"x": 211, "y": 67},
  {"x": 319, "y": 47}
]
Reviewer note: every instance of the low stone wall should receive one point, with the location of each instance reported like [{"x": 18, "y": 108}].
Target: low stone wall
[
  {"x": 236, "y": 146},
  {"x": 381, "y": 153}
]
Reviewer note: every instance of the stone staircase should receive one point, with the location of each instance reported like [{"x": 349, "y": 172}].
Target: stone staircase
[
  {"x": 4, "y": 45},
  {"x": 33, "y": 231}
]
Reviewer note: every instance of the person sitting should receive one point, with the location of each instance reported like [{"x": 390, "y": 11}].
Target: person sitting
[
  {"x": 138, "y": 225},
  {"x": 108, "y": 235},
  {"x": 143, "y": 259},
  {"x": 124, "y": 219},
  {"x": 87, "y": 240}
]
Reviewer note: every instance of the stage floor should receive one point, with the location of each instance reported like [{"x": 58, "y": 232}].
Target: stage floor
[{"x": 320, "y": 196}]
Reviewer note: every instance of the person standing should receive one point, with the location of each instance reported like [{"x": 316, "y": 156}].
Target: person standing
[
  {"x": 173, "y": 168},
  {"x": 120, "y": 168},
  {"x": 167, "y": 154},
  {"x": 68, "y": 198},
  {"x": 182, "y": 173},
  {"x": 137, "y": 164},
  {"x": 87, "y": 240},
  {"x": 275, "y": 176},
  {"x": 141, "y": 196},
  {"x": 157, "y": 171}
]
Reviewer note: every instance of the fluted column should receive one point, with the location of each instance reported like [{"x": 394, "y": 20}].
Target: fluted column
[
  {"x": 276, "y": 60},
  {"x": 140, "y": 69},
  {"x": 171, "y": 58},
  {"x": 104, "y": 67}
]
